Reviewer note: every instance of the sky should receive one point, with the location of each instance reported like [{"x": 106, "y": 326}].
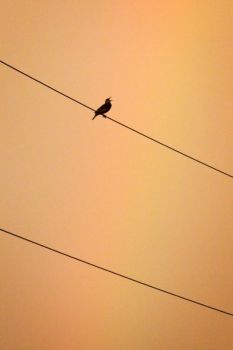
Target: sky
[{"x": 104, "y": 194}]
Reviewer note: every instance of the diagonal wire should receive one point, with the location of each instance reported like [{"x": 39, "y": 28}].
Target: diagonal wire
[
  {"x": 119, "y": 123},
  {"x": 46, "y": 85},
  {"x": 171, "y": 148},
  {"x": 115, "y": 273}
]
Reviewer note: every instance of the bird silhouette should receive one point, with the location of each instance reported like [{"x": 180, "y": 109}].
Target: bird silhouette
[{"x": 104, "y": 108}]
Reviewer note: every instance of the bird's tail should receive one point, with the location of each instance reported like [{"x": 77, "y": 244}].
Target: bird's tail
[{"x": 94, "y": 116}]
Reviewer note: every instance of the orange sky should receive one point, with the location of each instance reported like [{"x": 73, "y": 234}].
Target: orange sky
[{"x": 99, "y": 192}]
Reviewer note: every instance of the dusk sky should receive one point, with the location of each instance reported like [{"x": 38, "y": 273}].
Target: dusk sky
[{"x": 104, "y": 194}]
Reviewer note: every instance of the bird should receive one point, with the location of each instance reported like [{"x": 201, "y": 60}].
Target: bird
[{"x": 104, "y": 108}]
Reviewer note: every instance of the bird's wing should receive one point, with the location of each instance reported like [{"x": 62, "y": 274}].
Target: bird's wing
[{"x": 101, "y": 109}]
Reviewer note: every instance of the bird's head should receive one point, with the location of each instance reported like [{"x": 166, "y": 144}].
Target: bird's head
[{"x": 108, "y": 100}]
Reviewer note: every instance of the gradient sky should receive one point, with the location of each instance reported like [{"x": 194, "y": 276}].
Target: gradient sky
[{"x": 106, "y": 195}]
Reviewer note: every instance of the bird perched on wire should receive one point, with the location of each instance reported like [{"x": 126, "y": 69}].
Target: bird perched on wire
[{"x": 104, "y": 108}]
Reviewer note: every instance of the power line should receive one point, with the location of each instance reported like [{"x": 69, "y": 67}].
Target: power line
[
  {"x": 171, "y": 148},
  {"x": 46, "y": 85},
  {"x": 115, "y": 273},
  {"x": 116, "y": 121}
]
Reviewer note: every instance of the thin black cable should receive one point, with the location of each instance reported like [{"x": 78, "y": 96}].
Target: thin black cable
[
  {"x": 116, "y": 121},
  {"x": 171, "y": 148},
  {"x": 116, "y": 273},
  {"x": 46, "y": 85}
]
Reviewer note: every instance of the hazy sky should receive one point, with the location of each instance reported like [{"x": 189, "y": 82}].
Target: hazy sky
[{"x": 106, "y": 195}]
